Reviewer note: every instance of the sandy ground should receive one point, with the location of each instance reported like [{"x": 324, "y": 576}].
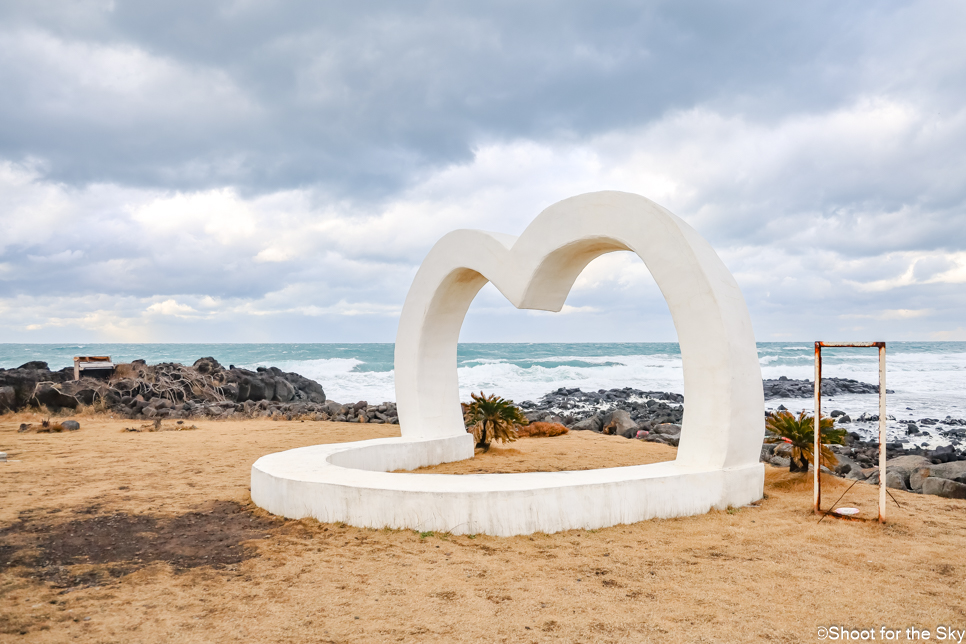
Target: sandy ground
[
  {"x": 573, "y": 451},
  {"x": 111, "y": 536}
]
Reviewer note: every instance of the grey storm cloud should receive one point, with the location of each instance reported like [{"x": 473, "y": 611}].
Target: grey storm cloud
[
  {"x": 267, "y": 170},
  {"x": 360, "y": 97}
]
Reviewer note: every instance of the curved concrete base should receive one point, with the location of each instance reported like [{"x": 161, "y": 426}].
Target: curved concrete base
[
  {"x": 350, "y": 482},
  {"x": 717, "y": 460}
]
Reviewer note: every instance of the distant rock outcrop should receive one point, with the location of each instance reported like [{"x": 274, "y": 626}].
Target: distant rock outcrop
[
  {"x": 18, "y": 386},
  {"x": 172, "y": 390},
  {"x": 205, "y": 388},
  {"x": 622, "y": 412},
  {"x": 787, "y": 388}
]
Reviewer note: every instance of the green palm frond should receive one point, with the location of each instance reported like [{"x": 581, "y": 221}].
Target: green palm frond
[
  {"x": 492, "y": 418},
  {"x": 799, "y": 432}
]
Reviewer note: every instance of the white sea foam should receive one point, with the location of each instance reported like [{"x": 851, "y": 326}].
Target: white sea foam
[
  {"x": 530, "y": 383},
  {"x": 345, "y": 381},
  {"x": 342, "y": 379},
  {"x": 933, "y": 385}
]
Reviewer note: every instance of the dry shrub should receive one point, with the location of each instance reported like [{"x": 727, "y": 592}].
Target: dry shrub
[
  {"x": 540, "y": 429},
  {"x": 40, "y": 412},
  {"x": 157, "y": 426},
  {"x": 98, "y": 408},
  {"x": 46, "y": 427},
  {"x": 172, "y": 381}
]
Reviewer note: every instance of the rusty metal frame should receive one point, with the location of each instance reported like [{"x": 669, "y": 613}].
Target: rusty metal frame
[{"x": 817, "y": 487}]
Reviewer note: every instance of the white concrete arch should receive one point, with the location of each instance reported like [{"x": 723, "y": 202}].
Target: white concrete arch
[
  {"x": 717, "y": 463},
  {"x": 723, "y": 423}
]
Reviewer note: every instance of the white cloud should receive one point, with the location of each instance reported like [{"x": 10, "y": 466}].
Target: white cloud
[
  {"x": 955, "y": 335},
  {"x": 170, "y": 307},
  {"x": 274, "y": 255},
  {"x": 821, "y": 217},
  {"x": 904, "y": 314},
  {"x": 935, "y": 267},
  {"x": 892, "y": 314},
  {"x": 219, "y": 215},
  {"x": 106, "y": 84}
]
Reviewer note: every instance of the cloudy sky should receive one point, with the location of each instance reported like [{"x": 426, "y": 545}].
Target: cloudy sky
[{"x": 275, "y": 172}]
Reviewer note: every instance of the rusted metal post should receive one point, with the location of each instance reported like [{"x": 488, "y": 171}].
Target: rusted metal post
[
  {"x": 817, "y": 495},
  {"x": 817, "y": 447},
  {"x": 882, "y": 431}
]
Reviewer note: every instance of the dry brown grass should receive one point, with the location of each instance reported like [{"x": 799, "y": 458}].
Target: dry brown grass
[
  {"x": 176, "y": 553},
  {"x": 98, "y": 408},
  {"x": 540, "y": 429}
]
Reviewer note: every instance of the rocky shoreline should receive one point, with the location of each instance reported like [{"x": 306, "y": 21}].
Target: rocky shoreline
[
  {"x": 206, "y": 389},
  {"x": 787, "y": 388},
  {"x": 646, "y": 410},
  {"x": 656, "y": 416}
]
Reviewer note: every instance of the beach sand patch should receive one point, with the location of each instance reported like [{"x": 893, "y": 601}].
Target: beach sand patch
[
  {"x": 720, "y": 577},
  {"x": 88, "y": 547},
  {"x": 573, "y": 451}
]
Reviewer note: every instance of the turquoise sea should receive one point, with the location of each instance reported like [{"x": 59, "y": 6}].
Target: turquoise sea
[{"x": 929, "y": 378}]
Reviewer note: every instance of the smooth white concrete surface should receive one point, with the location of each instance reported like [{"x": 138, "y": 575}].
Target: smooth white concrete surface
[
  {"x": 305, "y": 483},
  {"x": 717, "y": 463}
]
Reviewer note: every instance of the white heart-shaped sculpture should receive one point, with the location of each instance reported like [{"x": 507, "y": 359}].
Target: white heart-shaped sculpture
[{"x": 717, "y": 463}]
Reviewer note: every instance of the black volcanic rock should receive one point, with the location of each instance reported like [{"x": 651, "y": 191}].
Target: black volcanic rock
[
  {"x": 165, "y": 389},
  {"x": 25, "y": 379},
  {"x": 787, "y": 388}
]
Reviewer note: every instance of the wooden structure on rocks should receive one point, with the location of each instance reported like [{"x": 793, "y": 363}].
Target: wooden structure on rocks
[{"x": 93, "y": 366}]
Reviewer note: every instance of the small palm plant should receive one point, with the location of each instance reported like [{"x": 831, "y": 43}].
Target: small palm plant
[
  {"x": 492, "y": 418},
  {"x": 799, "y": 432}
]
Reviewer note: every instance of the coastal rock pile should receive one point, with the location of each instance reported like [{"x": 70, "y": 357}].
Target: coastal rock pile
[
  {"x": 952, "y": 429},
  {"x": 171, "y": 390},
  {"x": 622, "y": 412},
  {"x": 362, "y": 412},
  {"x": 788, "y": 388},
  {"x": 656, "y": 416},
  {"x": 941, "y": 472},
  {"x": 864, "y": 455},
  {"x": 19, "y": 386}
]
